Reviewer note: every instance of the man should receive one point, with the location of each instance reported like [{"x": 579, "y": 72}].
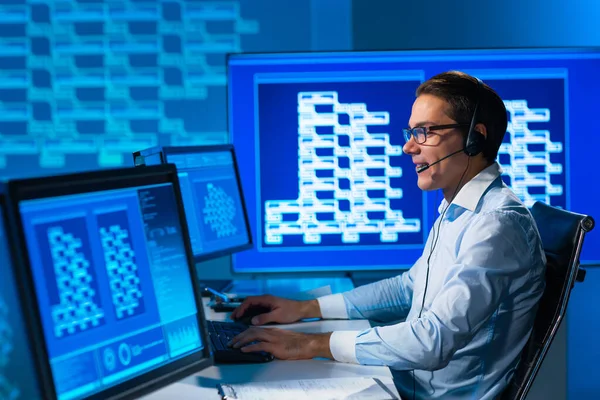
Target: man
[{"x": 467, "y": 305}]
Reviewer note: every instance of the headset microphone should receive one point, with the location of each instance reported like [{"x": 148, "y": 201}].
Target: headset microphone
[{"x": 426, "y": 167}]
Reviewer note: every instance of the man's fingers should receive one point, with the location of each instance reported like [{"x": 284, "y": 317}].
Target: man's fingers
[
  {"x": 248, "y": 302},
  {"x": 261, "y": 346},
  {"x": 239, "y": 311},
  {"x": 236, "y": 339},
  {"x": 249, "y": 335},
  {"x": 252, "y": 301},
  {"x": 265, "y": 318}
]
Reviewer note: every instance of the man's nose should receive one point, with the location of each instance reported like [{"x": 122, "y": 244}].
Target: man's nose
[{"x": 410, "y": 147}]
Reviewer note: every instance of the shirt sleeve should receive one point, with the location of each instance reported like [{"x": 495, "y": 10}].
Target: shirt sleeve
[
  {"x": 333, "y": 306},
  {"x": 493, "y": 251},
  {"x": 342, "y": 345},
  {"x": 386, "y": 300}
]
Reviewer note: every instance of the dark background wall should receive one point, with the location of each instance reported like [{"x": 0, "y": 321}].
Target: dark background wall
[{"x": 429, "y": 24}]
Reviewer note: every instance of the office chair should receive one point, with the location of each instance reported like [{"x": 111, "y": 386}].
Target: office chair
[{"x": 562, "y": 234}]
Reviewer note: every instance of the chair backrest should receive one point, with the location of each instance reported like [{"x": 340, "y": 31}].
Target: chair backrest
[{"x": 562, "y": 234}]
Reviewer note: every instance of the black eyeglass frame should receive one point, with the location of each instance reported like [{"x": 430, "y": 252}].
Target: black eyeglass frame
[{"x": 408, "y": 132}]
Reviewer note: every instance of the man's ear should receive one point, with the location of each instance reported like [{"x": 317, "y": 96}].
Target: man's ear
[{"x": 481, "y": 129}]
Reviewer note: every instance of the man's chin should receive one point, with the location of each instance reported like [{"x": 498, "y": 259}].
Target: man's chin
[{"x": 426, "y": 185}]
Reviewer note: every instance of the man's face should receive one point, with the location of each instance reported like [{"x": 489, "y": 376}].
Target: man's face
[{"x": 427, "y": 111}]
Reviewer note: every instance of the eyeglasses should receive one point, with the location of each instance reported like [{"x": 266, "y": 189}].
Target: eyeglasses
[{"x": 420, "y": 133}]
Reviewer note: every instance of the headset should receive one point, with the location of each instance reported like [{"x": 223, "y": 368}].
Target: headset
[{"x": 475, "y": 140}]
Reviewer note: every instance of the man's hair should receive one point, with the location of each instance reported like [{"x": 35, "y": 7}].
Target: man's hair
[{"x": 461, "y": 92}]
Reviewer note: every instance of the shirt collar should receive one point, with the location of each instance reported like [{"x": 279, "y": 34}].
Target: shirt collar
[{"x": 468, "y": 197}]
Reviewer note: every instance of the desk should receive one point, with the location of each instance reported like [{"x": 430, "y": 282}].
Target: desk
[{"x": 202, "y": 385}]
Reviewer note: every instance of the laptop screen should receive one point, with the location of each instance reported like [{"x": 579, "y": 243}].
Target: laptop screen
[
  {"x": 17, "y": 377},
  {"x": 113, "y": 284}
]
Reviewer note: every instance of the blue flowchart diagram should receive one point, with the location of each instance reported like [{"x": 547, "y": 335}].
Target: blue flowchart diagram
[
  {"x": 77, "y": 309},
  {"x": 534, "y": 154},
  {"x": 528, "y": 153},
  {"x": 124, "y": 281},
  {"x": 351, "y": 205}
]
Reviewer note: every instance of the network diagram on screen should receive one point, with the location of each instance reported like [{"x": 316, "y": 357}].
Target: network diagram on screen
[
  {"x": 332, "y": 171},
  {"x": 219, "y": 211},
  {"x": 527, "y": 156},
  {"x": 352, "y": 211},
  {"x": 212, "y": 200},
  {"x": 78, "y": 309}
]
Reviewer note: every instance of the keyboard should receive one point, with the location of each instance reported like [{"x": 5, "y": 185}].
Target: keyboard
[{"x": 220, "y": 333}]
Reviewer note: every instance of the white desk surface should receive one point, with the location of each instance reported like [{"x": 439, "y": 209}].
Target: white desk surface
[{"x": 202, "y": 385}]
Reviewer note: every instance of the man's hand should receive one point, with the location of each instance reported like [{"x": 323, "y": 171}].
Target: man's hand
[
  {"x": 284, "y": 344},
  {"x": 283, "y": 311}
]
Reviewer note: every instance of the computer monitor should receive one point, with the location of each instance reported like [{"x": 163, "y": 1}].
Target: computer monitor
[
  {"x": 319, "y": 140},
  {"x": 212, "y": 196},
  {"x": 18, "y": 377},
  {"x": 109, "y": 267}
]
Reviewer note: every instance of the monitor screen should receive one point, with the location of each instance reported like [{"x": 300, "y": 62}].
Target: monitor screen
[
  {"x": 18, "y": 379},
  {"x": 319, "y": 139},
  {"x": 112, "y": 277},
  {"x": 212, "y": 198}
]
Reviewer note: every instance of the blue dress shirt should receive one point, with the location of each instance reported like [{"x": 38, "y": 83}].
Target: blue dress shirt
[{"x": 486, "y": 276}]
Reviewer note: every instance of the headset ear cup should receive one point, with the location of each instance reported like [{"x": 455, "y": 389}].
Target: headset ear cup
[
  {"x": 475, "y": 143},
  {"x": 475, "y": 140}
]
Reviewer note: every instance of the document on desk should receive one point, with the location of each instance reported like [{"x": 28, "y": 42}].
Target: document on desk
[
  {"x": 313, "y": 389},
  {"x": 310, "y": 294}
]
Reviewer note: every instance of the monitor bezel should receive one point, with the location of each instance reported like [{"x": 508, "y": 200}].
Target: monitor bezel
[
  {"x": 165, "y": 151},
  {"x": 88, "y": 182}
]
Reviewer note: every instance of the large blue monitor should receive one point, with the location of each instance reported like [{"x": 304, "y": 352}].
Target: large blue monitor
[
  {"x": 319, "y": 140},
  {"x": 110, "y": 270},
  {"x": 212, "y": 196},
  {"x": 18, "y": 377}
]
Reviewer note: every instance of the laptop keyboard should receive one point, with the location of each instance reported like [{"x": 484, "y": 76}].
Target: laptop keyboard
[{"x": 220, "y": 333}]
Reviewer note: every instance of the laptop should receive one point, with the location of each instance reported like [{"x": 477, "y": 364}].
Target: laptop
[{"x": 105, "y": 258}]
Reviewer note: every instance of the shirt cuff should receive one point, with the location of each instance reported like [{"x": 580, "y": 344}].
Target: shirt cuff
[
  {"x": 343, "y": 346},
  {"x": 333, "y": 306}
]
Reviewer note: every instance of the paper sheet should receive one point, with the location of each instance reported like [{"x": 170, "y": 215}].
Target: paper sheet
[
  {"x": 310, "y": 294},
  {"x": 314, "y": 389}
]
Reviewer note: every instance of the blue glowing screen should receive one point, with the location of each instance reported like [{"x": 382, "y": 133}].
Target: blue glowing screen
[
  {"x": 17, "y": 378},
  {"x": 319, "y": 144},
  {"x": 212, "y": 199},
  {"x": 113, "y": 285}
]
